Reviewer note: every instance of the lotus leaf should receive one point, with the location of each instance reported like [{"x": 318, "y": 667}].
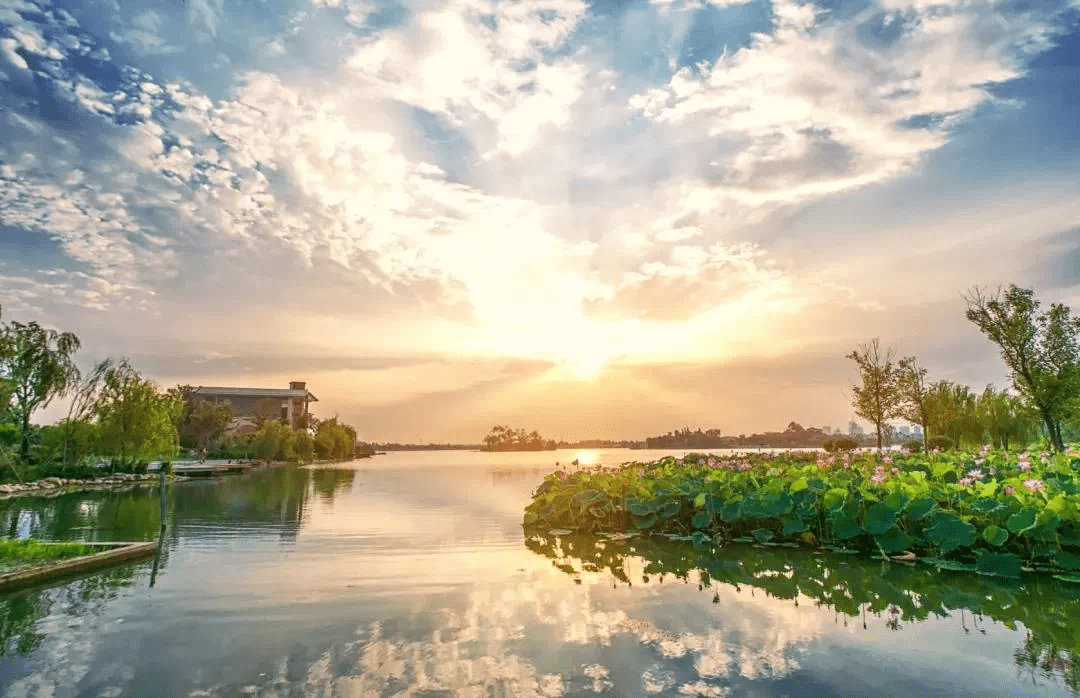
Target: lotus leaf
[
  {"x": 995, "y": 535},
  {"x": 950, "y": 532},
  {"x": 879, "y": 519},
  {"x": 1023, "y": 520},
  {"x": 998, "y": 564}
]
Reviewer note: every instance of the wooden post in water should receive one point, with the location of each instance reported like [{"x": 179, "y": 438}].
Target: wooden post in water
[{"x": 161, "y": 532}]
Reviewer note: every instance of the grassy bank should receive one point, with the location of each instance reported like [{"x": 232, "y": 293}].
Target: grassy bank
[
  {"x": 18, "y": 554},
  {"x": 986, "y": 511}
]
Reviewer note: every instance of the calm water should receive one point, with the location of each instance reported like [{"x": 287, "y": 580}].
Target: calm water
[{"x": 408, "y": 575}]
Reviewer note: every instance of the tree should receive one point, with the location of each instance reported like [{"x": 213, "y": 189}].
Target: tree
[
  {"x": 1004, "y": 417},
  {"x": 78, "y": 432},
  {"x": 203, "y": 422},
  {"x": 135, "y": 420},
  {"x": 877, "y": 400},
  {"x": 36, "y": 365},
  {"x": 911, "y": 383},
  {"x": 951, "y": 412},
  {"x": 1040, "y": 350}
]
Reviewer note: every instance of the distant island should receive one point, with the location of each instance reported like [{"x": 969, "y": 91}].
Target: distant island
[
  {"x": 795, "y": 436},
  {"x": 502, "y": 438}
]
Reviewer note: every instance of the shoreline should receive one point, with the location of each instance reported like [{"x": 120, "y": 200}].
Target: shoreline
[{"x": 56, "y": 485}]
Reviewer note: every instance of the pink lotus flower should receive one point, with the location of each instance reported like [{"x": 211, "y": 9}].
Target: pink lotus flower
[
  {"x": 896, "y": 471},
  {"x": 993, "y": 471},
  {"x": 1009, "y": 489},
  {"x": 975, "y": 474},
  {"x": 878, "y": 478},
  {"x": 1025, "y": 467},
  {"x": 1034, "y": 485},
  {"x": 966, "y": 481}
]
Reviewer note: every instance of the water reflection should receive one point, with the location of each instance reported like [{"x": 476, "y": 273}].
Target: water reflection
[
  {"x": 892, "y": 595},
  {"x": 385, "y": 581},
  {"x": 274, "y": 498}
]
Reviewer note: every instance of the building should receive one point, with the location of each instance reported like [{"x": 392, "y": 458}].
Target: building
[
  {"x": 826, "y": 430},
  {"x": 854, "y": 429},
  {"x": 289, "y": 404}
]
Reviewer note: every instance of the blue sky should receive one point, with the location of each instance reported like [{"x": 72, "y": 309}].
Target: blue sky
[{"x": 449, "y": 214}]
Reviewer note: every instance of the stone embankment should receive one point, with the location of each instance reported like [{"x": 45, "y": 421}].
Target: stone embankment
[{"x": 58, "y": 485}]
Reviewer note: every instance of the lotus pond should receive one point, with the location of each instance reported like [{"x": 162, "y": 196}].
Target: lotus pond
[
  {"x": 988, "y": 512},
  {"x": 410, "y": 575}
]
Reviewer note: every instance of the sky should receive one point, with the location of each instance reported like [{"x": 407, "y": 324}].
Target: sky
[{"x": 593, "y": 219}]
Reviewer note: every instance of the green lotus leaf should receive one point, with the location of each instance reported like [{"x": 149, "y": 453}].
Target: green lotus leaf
[
  {"x": 762, "y": 534},
  {"x": 1067, "y": 560},
  {"x": 834, "y": 498},
  {"x": 778, "y": 504},
  {"x": 1023, "y": 520},
  {"x": 998, "y": 564},
  {"x": 897, "y": 501},
  {"x": 951, "y": 533},
  {"x": 647, "y": 522},
  {"x": 987, "y": 506},
  {"x": 893, "y": 540},
  {"x": 844, "y": 526},
  {"x": 920, "y": 508},
  {"x": 995, "y": 535},
  {"x": 701, "y": 519},
  {"x": 879, "y": 519},
  {"x": 792, "y": 526}
]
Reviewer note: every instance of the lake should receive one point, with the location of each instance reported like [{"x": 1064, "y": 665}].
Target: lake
[{"x": 408, "y": 574}]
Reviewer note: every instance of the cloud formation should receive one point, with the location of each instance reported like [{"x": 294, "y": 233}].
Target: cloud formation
[{"x": 531, "y": 180}]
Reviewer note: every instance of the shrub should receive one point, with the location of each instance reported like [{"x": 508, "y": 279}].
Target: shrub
[
  {"x": 845, "y": 445},
  {"x": 940, "y": 442},
  {"x": 829, "y": 445},
  {"x": 913, "y": 447}
]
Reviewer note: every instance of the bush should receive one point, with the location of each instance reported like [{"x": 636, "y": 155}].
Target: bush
[
  {"x": 940, "y": 442},
  {"x": 913, "y": 446},
  {"x": 829, "y": 445},
  {"x": 845, "y": 445}
]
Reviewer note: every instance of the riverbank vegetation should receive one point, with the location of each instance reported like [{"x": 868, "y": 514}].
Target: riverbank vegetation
[
  {"x": 24, "y": 553},
  {"x": 987, "y": 511},
  {"x": 118, "y": 421}
]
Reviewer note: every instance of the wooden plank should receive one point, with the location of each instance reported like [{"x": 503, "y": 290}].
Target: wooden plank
[{"x": 114, "y": 554}]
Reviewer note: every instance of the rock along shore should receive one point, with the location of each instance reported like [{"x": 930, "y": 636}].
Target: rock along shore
[{"x": 58, "y": 485}]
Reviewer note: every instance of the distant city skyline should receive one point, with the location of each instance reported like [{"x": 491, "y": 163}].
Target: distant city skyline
[{"x": 591, "y": 219}]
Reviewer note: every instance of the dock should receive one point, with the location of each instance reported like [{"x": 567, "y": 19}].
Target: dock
[{"x": 210, "y": 468}]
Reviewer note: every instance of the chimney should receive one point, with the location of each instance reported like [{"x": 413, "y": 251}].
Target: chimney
[{"x": 297, "y": 385}]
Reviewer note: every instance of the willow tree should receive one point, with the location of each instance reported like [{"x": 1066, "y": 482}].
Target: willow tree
[
  {"x": 136, "y": 421},
  {"x": 878, "y": 399},
  {"x": 1040, "y": 350},
  {"x": 36, "y": 366}
]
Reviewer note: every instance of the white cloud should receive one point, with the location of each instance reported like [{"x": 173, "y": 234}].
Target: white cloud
[{"x": 815, "y": 110}]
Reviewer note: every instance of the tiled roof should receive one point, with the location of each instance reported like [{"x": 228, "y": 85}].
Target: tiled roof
[{"x": 253, "y": 392}]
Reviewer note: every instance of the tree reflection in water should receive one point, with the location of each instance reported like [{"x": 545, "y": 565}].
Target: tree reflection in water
[
  {"x": 274, "y": 496},
  {"x": 855, "y": 588}
]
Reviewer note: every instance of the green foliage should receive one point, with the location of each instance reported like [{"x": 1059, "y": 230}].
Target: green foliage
[
  {"x": 913, "y": 447},
  {"x": 202, "y": 423},
  {"x": 334, "y": 441},
  {"x": 844, "y": 444},
  {"x": 135, "y": 421},
  {"x": 502, "y": 438},
  {"x": 32, "y": 551},
  {"x": 879, "y": 398},
  {"x": 940, "y": 443},
  {"x": 1040, "y": 349},
  {"x": 956, "y": 506},
  {"x": 36, "y": 366}
]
